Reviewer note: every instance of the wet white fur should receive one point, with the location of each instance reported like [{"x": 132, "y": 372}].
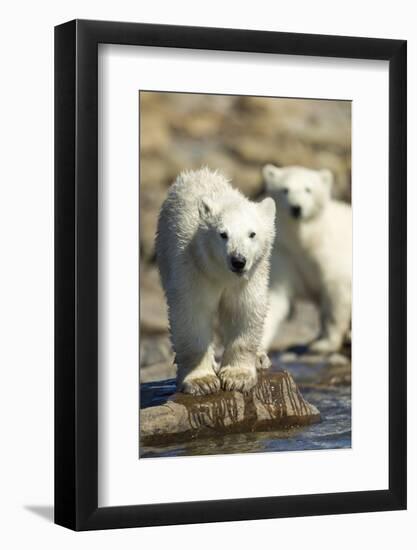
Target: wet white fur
[
  {"x": 195, "y": 269},
  {"x": 312, "y": 255}
]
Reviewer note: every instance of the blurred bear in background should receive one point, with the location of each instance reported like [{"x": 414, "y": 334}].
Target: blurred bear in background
[{"x": 312, "y": 254}]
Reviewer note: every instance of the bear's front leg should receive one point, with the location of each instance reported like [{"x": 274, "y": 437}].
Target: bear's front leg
[
  {"x": 242, "y": 315},
  {"x": 239, "y": 374},
  {"x": 263, "y": 362},
  {"x": 195, "y": 373},
  {"x": 191, "y": 322}
]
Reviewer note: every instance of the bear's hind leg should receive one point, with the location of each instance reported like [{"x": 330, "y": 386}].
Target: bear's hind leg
[
  {"x": 279, "y": 306},
  {"x": 335, "y": 320}
]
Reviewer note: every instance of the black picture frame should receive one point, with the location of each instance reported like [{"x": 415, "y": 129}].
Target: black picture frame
[{"x": 76, "y": 272}]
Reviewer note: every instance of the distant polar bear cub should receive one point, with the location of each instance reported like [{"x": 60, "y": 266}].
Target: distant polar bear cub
[
  {"x": 213, "y": 248},
  {"x": 312, "y": 255}
]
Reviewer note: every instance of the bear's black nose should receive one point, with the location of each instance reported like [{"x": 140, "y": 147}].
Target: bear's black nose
[
  {"x": 296, "y": 211},
  {"x": 238, "y": 262}
]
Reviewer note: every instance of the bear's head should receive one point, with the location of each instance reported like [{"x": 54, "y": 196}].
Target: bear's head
[
  {"x": 299, "y": 192},
  {"x": 236, "y": 235}
]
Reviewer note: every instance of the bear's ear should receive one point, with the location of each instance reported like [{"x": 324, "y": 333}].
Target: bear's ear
[
  {"x": 327, "y": 178},
  {"x": 272, "y": 176},
  {"x": 206, "y": 209},
  {"x": 268, "y": 207}
]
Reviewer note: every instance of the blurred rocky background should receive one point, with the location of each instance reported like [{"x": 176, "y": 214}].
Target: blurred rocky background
[{"x": 237, "y": 135}]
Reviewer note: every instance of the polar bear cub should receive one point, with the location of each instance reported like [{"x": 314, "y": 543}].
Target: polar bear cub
[
  {"x": 213, "y": 249},
  {"x": 312, "y": 254}
]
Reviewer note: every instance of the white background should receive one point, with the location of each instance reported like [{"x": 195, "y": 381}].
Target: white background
[
  {"x": 26, "y": 300},
  {"x": 122, "y": 478}
]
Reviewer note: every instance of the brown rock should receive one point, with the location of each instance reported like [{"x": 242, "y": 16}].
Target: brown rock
[
  {"x": 155, "y": 350},
  {"x": 275, "y": 402},
  {"x": 151, "y": 200},
  {"x": 254, "y": 151},
  {"x": 200, "y": 125},
  {"x": 154, "y": 133},
  {"x": 154, "y": 172},
  {"x": 158, "y": 371},
  {"x": 153, "y": 309},
  {"x": 300, "y": 329}
]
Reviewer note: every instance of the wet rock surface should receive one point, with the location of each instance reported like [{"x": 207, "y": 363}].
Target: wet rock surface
[{"x": 275, "y": 402}]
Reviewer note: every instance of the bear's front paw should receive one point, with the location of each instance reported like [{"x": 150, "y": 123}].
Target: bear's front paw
[
  {"x": 203, "y": 385},
  {"x": 262, "y": 361},
  {"x": 240, "y": 378},
  {"x": 323, "y": 346}
]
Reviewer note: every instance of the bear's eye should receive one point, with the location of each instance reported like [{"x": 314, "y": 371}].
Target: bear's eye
[
  {"x": 285, "y": 190},
  {"x": 308, "y": 189},
  {"x": 223, "y": 235},
  {"x": 252, "y": 235}
]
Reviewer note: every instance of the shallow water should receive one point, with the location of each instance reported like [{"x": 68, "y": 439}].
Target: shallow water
[{"x": 333, "y": 432}]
